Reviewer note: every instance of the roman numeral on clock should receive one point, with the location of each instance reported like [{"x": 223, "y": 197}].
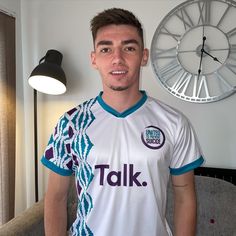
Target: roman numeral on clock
[
  {"x": 205, "y": 12},
  {"x": 185, "y": 18},
  {"x": 169, "y": 70}
]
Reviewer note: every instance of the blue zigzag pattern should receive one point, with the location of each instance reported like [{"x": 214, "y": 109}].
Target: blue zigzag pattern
[{"x": 81, "y": 147}]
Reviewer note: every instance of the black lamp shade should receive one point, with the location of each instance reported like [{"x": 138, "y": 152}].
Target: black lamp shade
[{"x": 48, "y": 77}]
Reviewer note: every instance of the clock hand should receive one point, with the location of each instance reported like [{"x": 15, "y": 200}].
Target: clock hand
[
  {"x": 214, "y": 58},
  {"x": 217, "y": 49},
  {"x": 203, "y": 31},
  {"x": 202, "y": 51}
]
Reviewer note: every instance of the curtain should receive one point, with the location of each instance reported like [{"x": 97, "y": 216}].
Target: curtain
[{"x": 7, "y": 116}]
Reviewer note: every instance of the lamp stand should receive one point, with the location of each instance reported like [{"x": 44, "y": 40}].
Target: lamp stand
[{"x": 36, "y": 147}]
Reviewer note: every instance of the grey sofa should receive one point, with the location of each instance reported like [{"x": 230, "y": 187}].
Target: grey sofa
[{"x": 216, "y": 211}]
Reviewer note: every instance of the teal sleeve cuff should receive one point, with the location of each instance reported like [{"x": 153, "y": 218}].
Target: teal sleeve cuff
[
  {"x": 191, "y": 166},
  {"x": 55, "y": 168}
]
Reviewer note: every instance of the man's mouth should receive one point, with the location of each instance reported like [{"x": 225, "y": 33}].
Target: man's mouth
[{"x": 118, "y": 72}]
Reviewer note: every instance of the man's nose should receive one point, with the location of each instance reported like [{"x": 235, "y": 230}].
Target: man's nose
[{"x": 117, "y": 56}]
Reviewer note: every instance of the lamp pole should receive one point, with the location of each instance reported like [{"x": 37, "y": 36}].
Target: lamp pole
[{"x": 36, "y": 146}]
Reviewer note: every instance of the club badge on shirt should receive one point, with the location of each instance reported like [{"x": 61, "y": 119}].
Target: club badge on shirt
[{"x": 153, "y": 137}]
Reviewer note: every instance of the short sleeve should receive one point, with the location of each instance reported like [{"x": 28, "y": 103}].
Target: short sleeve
[
  {"x": 187, "y": 154},
  {"x": 57, "y": 155}
]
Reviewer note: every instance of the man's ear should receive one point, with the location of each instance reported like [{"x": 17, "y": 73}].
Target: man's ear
[
  {"x": 93, "y": 59},
  {"x": 145, "y": 57}
]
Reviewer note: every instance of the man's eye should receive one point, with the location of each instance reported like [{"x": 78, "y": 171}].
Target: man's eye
[
  {"x": 105, "y": 50},
  {"x": 130, "y": 49}
]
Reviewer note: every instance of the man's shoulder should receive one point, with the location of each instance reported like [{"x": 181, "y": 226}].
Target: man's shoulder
[
  {"x": 82, "y": 107},
  {"x": 166, "y": 110},
  {"x": 162, "y": 105},
  {"x": 80, "y": 110}
]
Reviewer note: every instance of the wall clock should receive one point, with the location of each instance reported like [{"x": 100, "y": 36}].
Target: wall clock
[{"x": 193, "y": 50}]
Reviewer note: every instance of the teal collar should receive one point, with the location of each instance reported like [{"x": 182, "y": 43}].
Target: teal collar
[{"x": 126, "y": 112}]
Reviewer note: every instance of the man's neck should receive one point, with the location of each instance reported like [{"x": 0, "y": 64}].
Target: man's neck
[{"x": 121, "y": 100}]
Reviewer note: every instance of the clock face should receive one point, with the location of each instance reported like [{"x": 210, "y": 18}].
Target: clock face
[{"x": 193, "y": 50}]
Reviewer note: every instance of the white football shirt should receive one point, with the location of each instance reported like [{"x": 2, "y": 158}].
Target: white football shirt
[{"x": 122, "y": 163}]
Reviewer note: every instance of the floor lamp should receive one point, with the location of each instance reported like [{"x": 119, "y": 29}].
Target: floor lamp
[{"x": 48, "y": 77}]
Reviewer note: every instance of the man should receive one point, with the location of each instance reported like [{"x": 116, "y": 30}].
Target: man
[{"x": 121, "y": 146}]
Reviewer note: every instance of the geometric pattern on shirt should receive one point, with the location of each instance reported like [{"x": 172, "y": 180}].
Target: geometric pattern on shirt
[{"x": 80, "y": 148}]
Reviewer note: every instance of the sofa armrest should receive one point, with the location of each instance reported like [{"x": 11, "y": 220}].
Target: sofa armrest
[
  {"x": 28, "y": 223},
  {"x": 216, "y": 206}
]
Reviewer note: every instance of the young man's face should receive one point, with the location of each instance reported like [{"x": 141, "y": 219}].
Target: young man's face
[{"x": 118, "y": 56}]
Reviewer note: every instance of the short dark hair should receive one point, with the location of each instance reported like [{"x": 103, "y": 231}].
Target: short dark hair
[{"x": 116, "y": 16}]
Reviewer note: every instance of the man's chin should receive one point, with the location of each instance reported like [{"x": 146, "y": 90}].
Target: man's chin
[{"x": 119, "y": 88}]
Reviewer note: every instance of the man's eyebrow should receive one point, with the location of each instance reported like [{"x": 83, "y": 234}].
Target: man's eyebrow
[
  {"x": 104, "y": 42},
  {"x": 108, "y": 42},
  {"x": 130, "y": 41}
]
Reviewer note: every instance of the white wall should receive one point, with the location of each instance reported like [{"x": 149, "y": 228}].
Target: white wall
[{"x": 64, "y": 25}]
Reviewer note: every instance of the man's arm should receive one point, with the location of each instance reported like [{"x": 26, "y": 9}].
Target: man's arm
[
  {"x": 55, "y": 212},
  {"x": 184, "y": 204}
]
